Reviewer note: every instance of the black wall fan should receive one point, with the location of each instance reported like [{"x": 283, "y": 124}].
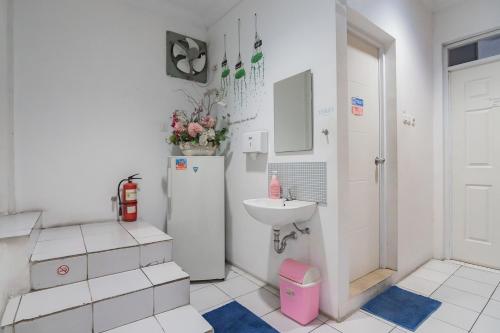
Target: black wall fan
[{"x": 186, "y": 57}]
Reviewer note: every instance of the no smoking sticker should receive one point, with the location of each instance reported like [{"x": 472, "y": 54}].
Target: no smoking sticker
[{"x": 63, "y": 270}]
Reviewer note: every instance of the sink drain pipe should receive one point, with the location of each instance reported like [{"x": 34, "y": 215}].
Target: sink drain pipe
[{"x": 279, "y": 246}]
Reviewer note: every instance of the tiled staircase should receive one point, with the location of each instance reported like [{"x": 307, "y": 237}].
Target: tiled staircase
[{"x": 104, "y": 277}]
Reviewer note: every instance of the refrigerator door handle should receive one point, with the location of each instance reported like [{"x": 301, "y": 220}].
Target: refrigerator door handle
[{"x": 169, "y": 190}]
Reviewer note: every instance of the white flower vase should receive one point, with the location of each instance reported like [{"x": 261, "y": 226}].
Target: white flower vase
[{"x": 195, "y": 149}]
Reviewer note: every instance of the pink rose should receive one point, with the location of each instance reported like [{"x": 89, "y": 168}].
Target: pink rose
[
  {"x": 178, "y": 127},
  {"x": 208, "y": 122},
  {"x": 194, "y": 129}
]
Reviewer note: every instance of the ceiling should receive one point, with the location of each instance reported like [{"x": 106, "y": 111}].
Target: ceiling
[
  {"x": 209, "y": 11},
  {"x": 437, "y": 5}
]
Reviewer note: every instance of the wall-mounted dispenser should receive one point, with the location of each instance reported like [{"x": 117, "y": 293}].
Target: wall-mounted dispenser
[{"x": 255, "y": 143}]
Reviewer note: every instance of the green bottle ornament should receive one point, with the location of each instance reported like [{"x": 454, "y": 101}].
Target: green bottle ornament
[
  {"x": 225, "y": 75},
  {"x": 239, "y": 67},
  {"x": 257, "y": 60},
  {"x": 240, "y": 83}
]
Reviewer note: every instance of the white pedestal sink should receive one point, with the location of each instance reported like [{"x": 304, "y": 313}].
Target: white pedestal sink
[{"x": 278, "y": 212}]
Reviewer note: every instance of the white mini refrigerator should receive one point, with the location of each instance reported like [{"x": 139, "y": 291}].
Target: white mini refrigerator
[{"x": 196, "y": 215}]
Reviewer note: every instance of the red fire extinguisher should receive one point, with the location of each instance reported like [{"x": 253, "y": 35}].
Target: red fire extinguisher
[{"x": 127, "y": 201}]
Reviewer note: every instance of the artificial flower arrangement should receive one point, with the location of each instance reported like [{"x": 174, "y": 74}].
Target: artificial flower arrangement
[{"x": 198, "y": 133}]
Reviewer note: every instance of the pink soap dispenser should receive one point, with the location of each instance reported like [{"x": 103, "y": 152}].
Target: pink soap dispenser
[{"x": 275, "y": 187}]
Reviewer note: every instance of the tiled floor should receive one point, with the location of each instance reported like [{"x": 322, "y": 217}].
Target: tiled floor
[{"x": 470, "y": 296}]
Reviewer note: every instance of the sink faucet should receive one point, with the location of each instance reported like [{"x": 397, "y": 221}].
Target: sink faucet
[{"x": 290, "y": 196}]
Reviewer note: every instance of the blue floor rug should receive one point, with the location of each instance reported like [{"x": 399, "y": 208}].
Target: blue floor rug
[
  {"x": 401, "y": 307},
  {"x": 235, "y": 318}
]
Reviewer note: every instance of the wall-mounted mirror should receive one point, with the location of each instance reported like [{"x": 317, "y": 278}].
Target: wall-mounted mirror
[{"x": 293, "y": 118}]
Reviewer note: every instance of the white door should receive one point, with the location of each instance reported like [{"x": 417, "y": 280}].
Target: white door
[
  {"x": 364, "y": 147},
  {"x": 475, "y": 126},
  {"x": 196, "y": 215}
]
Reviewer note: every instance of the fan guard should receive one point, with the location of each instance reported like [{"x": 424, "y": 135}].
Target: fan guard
[{"x": 186, "y": 57}]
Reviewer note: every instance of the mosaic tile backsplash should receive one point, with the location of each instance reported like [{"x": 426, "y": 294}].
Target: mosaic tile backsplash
[{"x": 307, "y": 180}]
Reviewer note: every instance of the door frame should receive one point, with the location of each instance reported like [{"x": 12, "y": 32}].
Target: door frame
[
  {"x": 348, "y": 19},
  {"x": 448, "y": 131}
]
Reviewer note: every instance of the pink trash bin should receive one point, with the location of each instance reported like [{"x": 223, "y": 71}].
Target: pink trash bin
[{"x": 299, "y": 291}]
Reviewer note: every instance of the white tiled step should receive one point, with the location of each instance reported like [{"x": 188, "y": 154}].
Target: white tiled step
[
  {"x": 99, "y": 304},
  {"x": 75, "y": 253},
  {"x": 184, "y": 319}
]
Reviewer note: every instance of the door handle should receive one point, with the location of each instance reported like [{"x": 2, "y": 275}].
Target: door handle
[{"x": 379, "y": 160}]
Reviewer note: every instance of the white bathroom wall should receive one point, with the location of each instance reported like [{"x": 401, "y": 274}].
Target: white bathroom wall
[
  {"x": 92, "y": 104},
  {"x": 6, "y": 117},
  {"x": 297, "y": 36},
  {"x": 464, "y": 20}
]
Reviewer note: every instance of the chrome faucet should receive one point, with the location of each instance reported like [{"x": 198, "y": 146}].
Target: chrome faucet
[{"x": 290, "y": 196}]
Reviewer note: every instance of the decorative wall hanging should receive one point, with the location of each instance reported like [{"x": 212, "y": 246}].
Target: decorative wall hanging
[
  {"x": 240, "y": 82},
  {"x": 225, "y": 79},
  {"x": 257, "y": 61},
  {"x": 186, "y": 57}
]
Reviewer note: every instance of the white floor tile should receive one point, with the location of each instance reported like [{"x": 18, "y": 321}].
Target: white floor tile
[
  {"x": 286, "y": 325},
  {"x": 60, "y": 233},
  {"x": 360, "y": 322},
  {"x": 260, "y": 302},
  {"x": 496, "y": 294},
  {"x": 442, "y": 266},
  {"x": 184, "y": 319},
  {"x": 149, "y": 325},
  {"x": 325, "y": 329},
  {"x": 398, "y": 330},
  {"x": 471, "y": 286},
  {"x": 58, "y": 248},
  {"x": 110, "y": 286},
  {"x": 431, "y": 275},
  {"x": 208, "y": 297},
  {"x": 486, "y": 324},
  {"x": 231, "y": 274},
  {"x": 255, "y": 280},
  {"x": 237, "y": 287},
  {"x": 458, "y": 262},
  {"x": 9, "y": 314},
  {"x": 460, "y": 298},
  {"x": 216, "y": 307},
  {"x": 437, "y": 326},
  {"x": 272, "y": 289},
  {"x": 418, "y": 285},
  {"x": 492, "y": 309},
  {"x": 323, "y": 318},
  {"x": 456, "y": 315},
  {"x": 482, "y": 268},
  {"x": 479, "y": 275},
  {"x": 198, "y": 285},
  {"x": 49, "y": 301}
]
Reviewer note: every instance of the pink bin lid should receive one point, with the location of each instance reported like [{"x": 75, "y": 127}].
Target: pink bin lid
[{"x": 299, "y": 272}]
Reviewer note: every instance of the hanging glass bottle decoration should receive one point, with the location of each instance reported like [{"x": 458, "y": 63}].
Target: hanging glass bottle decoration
[
  {"x": 240, "y": 82},
  {"x": 225, "y": 80},
  {"x": 257, "y": 61}
]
